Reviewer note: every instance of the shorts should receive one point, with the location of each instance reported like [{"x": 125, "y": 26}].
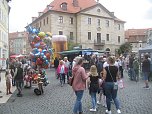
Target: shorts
[{"x": 146, "y": 75}]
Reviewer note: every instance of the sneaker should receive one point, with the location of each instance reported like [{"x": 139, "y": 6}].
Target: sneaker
[
  {"x": 118, "y": 111},
  {"x": 146, "y": 87},
  {"x": 104, "y": 105},
  {"x": 108, "y": 112},
  {"x": 98, "y": 102},
  {"x": 93, "y": 110}
]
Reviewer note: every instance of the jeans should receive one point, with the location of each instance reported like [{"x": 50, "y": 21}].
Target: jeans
[
  {"x": 131, "y": 73},
  {"x": 19, "y": 86},
  {"x": 93, "y": 99},
  {"x": 62, "y": 78},
  {"x": 78, "y": 105},
  {"x": 111, "y": 94}
]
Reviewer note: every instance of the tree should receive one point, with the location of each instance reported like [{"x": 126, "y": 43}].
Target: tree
[
  {"x": 71, "y": 45},
  {"x": 124, "y": 48}
]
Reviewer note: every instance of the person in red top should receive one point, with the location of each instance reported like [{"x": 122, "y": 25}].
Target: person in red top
[{"x": 79, "y": 84}]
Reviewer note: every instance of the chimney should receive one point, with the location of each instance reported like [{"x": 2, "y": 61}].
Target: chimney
[
  {"x": 49, "y": 7},
  {"x": 112, "y": 13},
  {"x": 75, "y": 3},
  {"x": 34, "y": 18},
  {"x": 40, "y": 13}
]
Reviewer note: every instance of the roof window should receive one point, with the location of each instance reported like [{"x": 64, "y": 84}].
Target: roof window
[{"x": 64, "y": 6}]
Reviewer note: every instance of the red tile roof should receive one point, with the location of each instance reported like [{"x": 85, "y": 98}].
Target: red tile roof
[
  {"x": 135, "y": 32},
  {"x": 15, "y": 34},
  {"x": 82, "y": 4}
]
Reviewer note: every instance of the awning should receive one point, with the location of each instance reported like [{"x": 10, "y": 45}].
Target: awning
[
  {"x": 146, "y": 49},
  {"x": 16, "y": 56}
]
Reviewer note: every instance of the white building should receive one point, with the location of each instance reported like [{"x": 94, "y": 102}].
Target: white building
[
  {"x": 85, "y": 22},
  {"x": 4, "y": 17}
]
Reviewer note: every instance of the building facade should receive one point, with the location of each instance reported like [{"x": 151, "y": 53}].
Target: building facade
[
  {"x": 137, "y": 37},
  {"x": 18, "y": 43},
  {"x": 4, "y": 17},
  {"x": 85, "y": 22}
]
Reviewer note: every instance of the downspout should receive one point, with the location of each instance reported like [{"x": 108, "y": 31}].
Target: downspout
[{"x": 76, "y": 30}]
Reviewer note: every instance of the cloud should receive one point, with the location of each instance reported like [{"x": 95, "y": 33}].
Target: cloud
[{"x": 148, "y": 14}]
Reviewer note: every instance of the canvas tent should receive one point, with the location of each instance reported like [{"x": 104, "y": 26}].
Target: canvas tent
[{"x": 147, "y": 49}]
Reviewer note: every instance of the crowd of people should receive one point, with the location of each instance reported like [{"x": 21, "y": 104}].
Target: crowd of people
[{"x": 102, "y": 77}]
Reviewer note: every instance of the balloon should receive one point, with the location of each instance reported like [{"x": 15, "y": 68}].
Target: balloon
[
  {"x": 44, "y": 51},
  {"x": 41, "y": 35},
  {"x": 29, "y": 29},
  {"x": 49, "y": 34},
  {"x": 40, "y": 50},
  {"x": 48, "y": 55},
  {"x": 42, "y": 54},
  {"x": 35, "y": 50},
  {"x": 37, "y": 54},
  {"x": 44, "y": 57},
  {"x": 37, "y": 45}
]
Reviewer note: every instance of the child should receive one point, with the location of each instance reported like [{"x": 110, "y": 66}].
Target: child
[
  {"x": 8, "y": 82},
  {"x": 61, "y": 71},
  {"x": 93, "y": 86}
]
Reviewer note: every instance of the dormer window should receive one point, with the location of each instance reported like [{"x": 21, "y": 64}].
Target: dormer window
[{"x": 64, "y": 6}]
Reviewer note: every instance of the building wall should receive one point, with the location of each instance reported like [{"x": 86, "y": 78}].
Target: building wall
[
  {"x": 19, "y": 43},
  {"x": 4, "y": 11},
  {"x": 80, "y": 27}
]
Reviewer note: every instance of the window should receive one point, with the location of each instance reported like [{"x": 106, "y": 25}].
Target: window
[
  {"x": 71, "y": 20},
  {"x": 118, "y": 39},
  {"x": 107, "y": 37},
  {"x": 89, "y": 21},
  {"x": 47, "y": 20},
  {"x": 44, "y": 22},
  {"x": 60, "y": 19},
  {"x": 40, "y": 23},
  {"x": 64, "y": 6},
  {"x": 98, "y": 10},
  {"x": 89, "y": 35},
  {"x": 60, "y": 32},
  {"x": 98, "y": 22},
  {"x": 118, "y": 26},
  {"x": 107, "y": 23},
  {"x": 98, "y": 37},
  {"x": 0, "y": 14},
  {"x": 71, "y": 35}
]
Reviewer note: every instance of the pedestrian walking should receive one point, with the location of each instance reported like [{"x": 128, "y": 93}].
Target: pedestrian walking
[
  {"x": 121, "y": 66},
  {"x": 146, "y": 70},
  {"x": 18, "y": 76},
  {"x": 136, "y": 69},
  {"x": 61, "y": 71},
  {"x": 110, "y": 74},
  {"x": 56, "y": 63},
  {"x": 79, "y": 84},
  {"x": 93, "y": 81},
  {"x": 8, "y": 78},
  {"x": 67, "y": 66}
]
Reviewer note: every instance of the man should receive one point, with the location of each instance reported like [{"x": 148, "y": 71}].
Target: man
[
  {"x": 7, "y": 63},
  {"x": 56, "y": 63},
  {"x": 131, "y": 71},
  {"x": 19, "y": 79},
  {"x": 146, "y": 70},
  {"x": 67, "y": 65}
]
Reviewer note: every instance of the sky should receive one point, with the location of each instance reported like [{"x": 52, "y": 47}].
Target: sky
[{"x": 136, "y": 13}]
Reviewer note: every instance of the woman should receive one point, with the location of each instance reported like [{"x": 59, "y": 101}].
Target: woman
[
  {"x": 110, "y": 75},
  {"x": 93, "y": 86},
  {"x": 79, "y": 84}
]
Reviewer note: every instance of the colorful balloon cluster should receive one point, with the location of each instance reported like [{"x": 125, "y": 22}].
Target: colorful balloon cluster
[{"x": 41, "y": 47}]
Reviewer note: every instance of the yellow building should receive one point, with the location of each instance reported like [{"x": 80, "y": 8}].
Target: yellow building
[
  {"x": 4, "y": 17},
  {"x": 85, "y": 22}
]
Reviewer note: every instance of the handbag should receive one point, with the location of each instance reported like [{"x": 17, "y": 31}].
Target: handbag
[
  {"x": 70, "y": 82},
  {"x": 121, "y": 84},
  {"x": 115, "y": 87}
]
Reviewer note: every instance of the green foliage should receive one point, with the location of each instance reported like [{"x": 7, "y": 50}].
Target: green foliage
[
  {"x": 124, "y": 48},
  {"x": 71, "y": 45}
]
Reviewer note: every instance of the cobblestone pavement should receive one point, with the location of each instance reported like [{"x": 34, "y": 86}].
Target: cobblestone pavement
[{"x": 59, "y": 100}]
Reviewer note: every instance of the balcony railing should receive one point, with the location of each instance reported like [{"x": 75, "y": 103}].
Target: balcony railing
[{"x": 99, "y": 43}]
